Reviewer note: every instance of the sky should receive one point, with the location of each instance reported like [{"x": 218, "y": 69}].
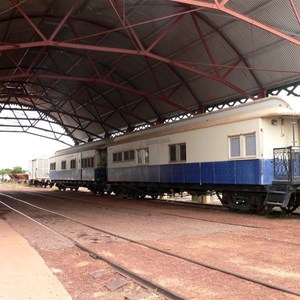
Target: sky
[{"x": 17, "y": 149}]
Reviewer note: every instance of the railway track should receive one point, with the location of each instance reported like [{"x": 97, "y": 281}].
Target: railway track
[
  {"x": 38, "y": 212},
  {"x": 137, "y": 212},
  {"x": 184, "y": 203},
  {"x": 130, "y": 210}
]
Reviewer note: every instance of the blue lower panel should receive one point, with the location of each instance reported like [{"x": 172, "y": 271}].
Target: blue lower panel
[
  {"x": 248, "y": 172},
  {"x": 231, "y": 172},
  {"x": 84, "y": 174},
  {"x": 192, "y": 173},
  {"x": 226, "y": 172},
  {"x": 88, "y": 174},
  {"x": 179, "y": 174},
  {"x": 166, "y": 173},
  {"x": 267, "y": 167},
  {"x": 154, "y": 174},
  {"x": 65, "y": 175}
]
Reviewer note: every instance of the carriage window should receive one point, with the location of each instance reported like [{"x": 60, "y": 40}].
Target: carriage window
[
  {"x": 242, "y": 146},
  {"x": 73, "y": 164},
  {"x": 142, "y": 156},
  {"x": 177, "y": 152},
  {"x": 63, "y": 165},
  {"x": 146, "y": 155},
  {"x": 173, "y": 153},
  {"x": 235, "y": 148},
  {"x": 182, "y": 152},
  {"x": 117, "y": 157},
  {"x": 139, "y": 155},
  {"x": 250, "y": 145},
  {"x": 129, "y": 155},
  {"x": 53, "y": 166},
  {"x": 87, "y": 162}
]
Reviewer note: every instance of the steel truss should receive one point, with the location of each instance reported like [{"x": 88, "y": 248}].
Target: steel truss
[
  {"x": 17, "y": 118},
  {"x": 285, "y": 90},
  {"x": 28, "y": 86}
]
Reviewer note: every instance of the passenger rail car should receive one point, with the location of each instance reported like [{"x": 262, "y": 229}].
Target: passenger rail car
[
  {"x": 247, "y": 154},
  {"x": 80, "y": 166}
]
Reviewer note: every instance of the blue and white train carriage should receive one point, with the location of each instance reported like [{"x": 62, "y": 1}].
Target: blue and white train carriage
[
  {"x": 230, "y": 151},
  {"x": 79, "y": 166}
]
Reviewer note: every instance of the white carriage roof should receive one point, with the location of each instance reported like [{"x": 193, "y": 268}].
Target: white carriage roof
[{"x": 103, "y": 67}]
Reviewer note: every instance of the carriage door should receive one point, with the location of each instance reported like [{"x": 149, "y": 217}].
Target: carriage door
[{"x": 101, "y": 163}]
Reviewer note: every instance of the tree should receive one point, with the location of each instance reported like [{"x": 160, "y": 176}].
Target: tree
[
  {"x": 17, "y": 170},
  {"x": 14, "y": 170},
  {"x": 5, "y": 171}
]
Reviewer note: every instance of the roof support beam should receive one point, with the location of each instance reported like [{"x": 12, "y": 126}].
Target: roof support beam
[
  {"x": 295, "y": 10},
  {"x": 164, "y": 33},
  {"x": 97, "y": 80},
  {"x": 64, "y": 20},
  {"x": 199, "y": 72},
  {"x": 25, "y": 16},
  {"x": 240, "y": 16},
  {"x": 130, "y": 52},
  {"x": 207, "y": 48},
  {"x": 127, "y": 26}
]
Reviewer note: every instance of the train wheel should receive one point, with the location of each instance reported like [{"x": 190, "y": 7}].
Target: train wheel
[
  {"x": 257, "y": 203},
  {"x": 141, "y": 196},
  {"x": 238, "y": 201}
]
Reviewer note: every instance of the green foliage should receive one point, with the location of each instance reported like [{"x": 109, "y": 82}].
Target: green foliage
[
  {"x": 17, "y": 169},
  {"x": 14, "y": 170},
  {"x": 5, "y": 171}
]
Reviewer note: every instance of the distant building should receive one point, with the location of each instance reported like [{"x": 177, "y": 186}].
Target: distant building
[
  {"x": 39, "y": 168},
  {"x": 18, "y": 177}
]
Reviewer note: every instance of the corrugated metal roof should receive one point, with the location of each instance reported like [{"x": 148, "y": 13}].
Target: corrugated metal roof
[{"x": 101, "y": 67}]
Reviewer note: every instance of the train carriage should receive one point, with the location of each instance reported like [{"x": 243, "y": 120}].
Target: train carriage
[
  {"x": 230, "y": 151},
  {"x": 79, "y": 166}
]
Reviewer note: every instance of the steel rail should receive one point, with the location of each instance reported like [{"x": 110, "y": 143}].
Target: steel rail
[
  {"x": 124, "y": 271},
  {"x": 164, "y": 202},
  {"x": 202, "y": 264}
]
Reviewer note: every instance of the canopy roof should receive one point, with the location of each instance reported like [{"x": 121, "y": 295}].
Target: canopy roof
[{"x": 102, "y": 67}]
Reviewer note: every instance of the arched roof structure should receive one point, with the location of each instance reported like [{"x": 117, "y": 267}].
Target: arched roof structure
[{"x": 102, "y": 67}]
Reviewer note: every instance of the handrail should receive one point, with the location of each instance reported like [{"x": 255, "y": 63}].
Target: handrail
[{"x": 287, "y": 164}]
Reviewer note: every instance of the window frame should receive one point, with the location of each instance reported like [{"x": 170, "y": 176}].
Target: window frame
[
  {"x": 63, "y": 165},
  {"x": 143, "y": 158},
  {"x": 176, "y": 152},
  {"x": 123, "y": 156},
  {"x": 88, "y": 162},
  {"x": 231, "y": 139},
  {"x": 244, "y": 146},
  {"x": 52, "y": 166},
  {"x": 73, "y": 164}
]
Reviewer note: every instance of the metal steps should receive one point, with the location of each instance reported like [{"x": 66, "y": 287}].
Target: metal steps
[{"x": 279, "y": 195}]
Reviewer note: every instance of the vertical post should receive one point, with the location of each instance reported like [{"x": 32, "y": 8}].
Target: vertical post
[{"x": 290, "y": 164}]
